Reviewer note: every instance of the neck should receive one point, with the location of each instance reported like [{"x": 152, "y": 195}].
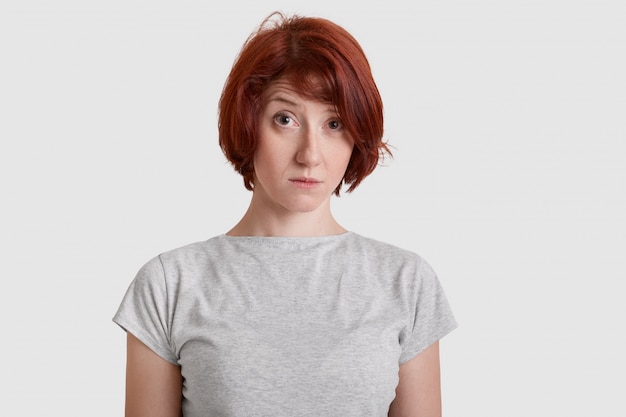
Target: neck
[{"x": 260, "y": 220}]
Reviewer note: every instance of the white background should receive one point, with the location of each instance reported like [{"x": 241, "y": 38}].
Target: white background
[{"x": 508, "y": 125}]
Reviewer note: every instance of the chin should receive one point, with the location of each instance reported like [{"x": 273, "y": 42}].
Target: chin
[{"x": 301, "y": 206}]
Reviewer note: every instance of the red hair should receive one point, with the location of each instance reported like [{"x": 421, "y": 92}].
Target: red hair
[{"x": 324, "y": 62}]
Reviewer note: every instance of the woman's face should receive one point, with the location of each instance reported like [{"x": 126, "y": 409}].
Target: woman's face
[{"x": 302, "y": 153}]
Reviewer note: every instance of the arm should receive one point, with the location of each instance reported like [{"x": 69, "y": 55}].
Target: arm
[
  {"x": 153, "y": 385},
  {"x": 419, "y": 390}
]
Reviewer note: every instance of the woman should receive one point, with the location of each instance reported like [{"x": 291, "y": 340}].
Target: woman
[{"x": 288, "y": 313}]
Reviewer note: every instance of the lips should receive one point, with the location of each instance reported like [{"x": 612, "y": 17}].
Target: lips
[
  {"x": 305, "y": 179},
  {"x": 305, "y": 182}
]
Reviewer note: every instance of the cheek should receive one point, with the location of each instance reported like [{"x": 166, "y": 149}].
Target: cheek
[
  {"x": 265, "y": 160},
  {"x": 344, "y": 155}
]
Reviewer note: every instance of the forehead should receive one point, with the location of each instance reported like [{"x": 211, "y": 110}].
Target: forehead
[
  {"x": 284, "y": 91},
  {"x": 281, "y": 87},
  {"x": 306, "y": 85}
]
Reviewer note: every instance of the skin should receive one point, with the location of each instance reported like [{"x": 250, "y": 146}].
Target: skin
[
  {"x": 153, "y": 385},
  {"x": 418, "y": 393},
  {"x": 299, "y": 139}
]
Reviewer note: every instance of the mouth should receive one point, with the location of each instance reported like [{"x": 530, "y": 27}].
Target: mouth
[{"x": 305, "y": 182}]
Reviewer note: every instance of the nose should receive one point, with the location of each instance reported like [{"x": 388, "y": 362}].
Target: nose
[{"x": 309, "y": 152}]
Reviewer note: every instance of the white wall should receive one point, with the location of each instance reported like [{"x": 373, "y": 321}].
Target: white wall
[{"x": 508, "y": 124}]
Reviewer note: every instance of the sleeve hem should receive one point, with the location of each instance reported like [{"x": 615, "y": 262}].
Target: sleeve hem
[
  {"x": 419, "y": 348},
  {"x": 146, "y": 340}
]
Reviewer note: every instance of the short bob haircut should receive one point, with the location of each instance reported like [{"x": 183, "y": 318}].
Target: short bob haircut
[{"x": 321, "y": 60}]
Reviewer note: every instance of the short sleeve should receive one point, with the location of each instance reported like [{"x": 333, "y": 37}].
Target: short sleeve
[
  {"x": 433, "y": 317},
  {"x": 144, "y": 310}
]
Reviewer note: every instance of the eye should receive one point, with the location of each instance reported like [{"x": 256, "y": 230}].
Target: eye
[
  {"x": 335, "y": 124},
  {"x": 283, "y": 119}
]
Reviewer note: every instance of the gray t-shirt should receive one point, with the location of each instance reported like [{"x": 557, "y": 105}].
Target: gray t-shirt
[{"x": 287, "y": 326}]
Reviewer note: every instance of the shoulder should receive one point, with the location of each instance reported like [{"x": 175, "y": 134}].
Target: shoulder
[
  {"x": 387, "y": 259},
  {"x": 195, "y": 251},
  {"x": 190, "y": 256},
  {"x": 383, "y": 250}
]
